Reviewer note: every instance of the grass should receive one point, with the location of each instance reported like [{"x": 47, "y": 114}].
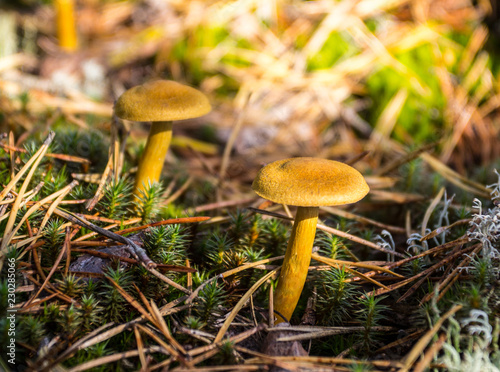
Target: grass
[{"x": 408, "y": 281}]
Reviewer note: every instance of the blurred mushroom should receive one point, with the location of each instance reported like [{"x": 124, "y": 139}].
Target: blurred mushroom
[
  {"x": 66, "y": 26},
  {"x": 307, "y": 183},
  {"x": 159, "y": 102}
]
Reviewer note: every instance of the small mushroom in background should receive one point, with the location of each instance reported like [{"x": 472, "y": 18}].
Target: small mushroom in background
[
  {"x": 66, "y": 25},
  {"x": 159, "y": 102},
  {"x": 307, "y": 183}
]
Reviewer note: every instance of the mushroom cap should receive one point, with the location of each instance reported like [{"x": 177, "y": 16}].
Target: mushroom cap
[
  {"x": 161, "y": 100},
  {"x": 310, "y": 182}
]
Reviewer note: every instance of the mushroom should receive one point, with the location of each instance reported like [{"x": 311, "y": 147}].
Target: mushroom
[
  {"x": 159, "y": 102},
  {"x": 66, "y": 26},
  {"x": 307, "y": 183}
]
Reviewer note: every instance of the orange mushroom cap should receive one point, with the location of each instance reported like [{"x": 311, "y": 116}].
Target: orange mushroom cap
[
  {"x": 161, "y": 100},
  {"x": 310, "y": 182}
]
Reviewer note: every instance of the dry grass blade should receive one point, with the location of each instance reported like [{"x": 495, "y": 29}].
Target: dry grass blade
[
  {"x": 46, "y": 281},
  {"x": 357, "y": 239},
  {"x": 366, "y": 278},
  {"x": 162, "y": 277},
  {"x": 82, "y": 340},
  {"x": 419, "y": 347},
  {"x": 189, "y": 278},
  {"x": 430, "y": 354},
  {"x": 354, "y": 272},
  {"x": 51, "y": 289},
  {"x": 143, "y": 299},
  {"x": 208, "y": 351},
  {"x": 333, "y": 231},
  {"x": 17, "y": 202},
  {"x": 174, "y": 353},
  {"x": 134, "y": 249},
  {"x": 355, "y": 264},
  {"x": 11, "y": 154},
  {"x": 67, "y": 247},
  {"x": 176, "y": 268},
  {"x": 109, "y": 227},
  {"x": 171, "y": 221},
  {"x": 7, "y": 238},
  {"x": 326, "y": 361},
  {"x": 396, "y": 163},
  {"x": 477, "y": 40},
  {"x": 271, "y": 306},
  {"x": 454, "y": 177},
  {"x": 34, "y": 159},
  {"x": 356, "y": 158},
  {"x": 325, "y": 333},
  {"x": 442, "y": 229},
  {"x": 395, "y": 197},
  {"x": 162, "y": 326},
  {"x": 102, "y": 183},
  {"x": 221, "y": 368},
  {"x": 346, "y": 214},
  {"x": 430, "y": 209},
  {"x": 140, "y": 348},
  {"x": 64, "y": 157},
  {"x": 118, "y": 150},
  {"x": 27, "y": 197},
  {"x": 179, "y": 192},
  {"x": 194, "y": 144},
  {"x": 53, "y": 206},
  {"x": 113, "y": 358},
  {"x": 477, "y": 70},
  {"x": 222, "y": 204},
  {"x": 91, "y": 217},
  {"x": 443, "y": 286},
  {"x": 443, "y": 262},
  {"x": 241, "y": 302},
  {"x": 387, "y": 120},
  {"x": 236, "y": 270},
  {"x": 401, "y": 341},
  {"x": 244, "y": 98},
  {"x": 131, "y": 300},
  {"x": 260, "y": 358},
  {"x": 270, "y": 213},
  {"x": 87, "y": 177},
  {"x": 95, "y": 339}
]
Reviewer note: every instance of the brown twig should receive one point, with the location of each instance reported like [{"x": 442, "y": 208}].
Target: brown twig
[{"x": 134, "y": 249}]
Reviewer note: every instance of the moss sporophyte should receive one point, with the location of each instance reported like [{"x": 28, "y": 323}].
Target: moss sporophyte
[{"x": 307, "y": 183}]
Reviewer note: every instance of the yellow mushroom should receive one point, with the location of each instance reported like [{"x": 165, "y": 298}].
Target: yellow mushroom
[
  {"x": 307, "y": 183},
  {"x": 66, "y": 25},
  {"x": 159, "y": 102}
]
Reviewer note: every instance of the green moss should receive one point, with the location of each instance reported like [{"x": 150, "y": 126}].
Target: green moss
[
  {"x": 336, "y": 47},
  {"x": 422, "y": 113}
]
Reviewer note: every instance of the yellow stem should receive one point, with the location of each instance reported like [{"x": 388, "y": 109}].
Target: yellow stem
[
  {"x": 66, "y": 26},
  {"x": 151, "y": 163},
  {"x": 297, "y": 259}
]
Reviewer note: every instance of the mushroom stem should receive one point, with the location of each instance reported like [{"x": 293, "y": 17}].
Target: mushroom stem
[
  {"x": 297, "y": 259},
  {"x": 66, "y": 27},
  {"x": 151, "y": 163}
]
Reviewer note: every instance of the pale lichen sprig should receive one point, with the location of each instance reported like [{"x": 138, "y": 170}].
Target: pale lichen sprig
[
  {"x": 443, "y": 218},
  {"x": 478, "y": 324},
  {"x": 386, "y": 244},
  {"x": 495, "y": 188},
  {"x": 416, "y": 244},
  {"x": 486, "y": 228},
  {"x": 477, "y": 350}
]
